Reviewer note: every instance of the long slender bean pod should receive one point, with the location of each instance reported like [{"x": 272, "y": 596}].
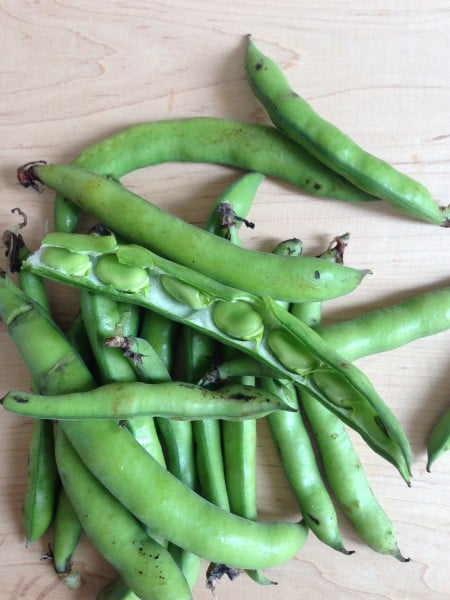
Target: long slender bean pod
[
  {"x": 141, "y": 222},
  {"x": 146, "y": 566},
  {"x": 42, "y": 478},
  {"x": 246, "y": 146},
  {"x": 179, "y": 400},
  {"x": 41, "y": 492},
  {"x": 346, "y": 478},
  {"x": 66, "y": 533},
  {"x": 254, "y": 325},
  {"x": 302, "y": 471},
  {"x": 439, "y": 439},
  {"x": 296, "y": 118},
  {"x": 172, "y": 510}
]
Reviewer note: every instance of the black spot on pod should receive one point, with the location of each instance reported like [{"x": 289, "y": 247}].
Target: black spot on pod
[{"x": 316, "y": 275}]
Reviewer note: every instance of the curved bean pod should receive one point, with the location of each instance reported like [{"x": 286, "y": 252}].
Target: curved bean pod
[
  {"x": 439, "y": 439},
  {"x": 348, "y": 482},
  {"x": 172, "y": 510},
  {"x": 147, "y": 567},
  {"x": 293, "y": 349},
  {"x": 246, "y": 146},
  {"x": 295, "y": 117},
  {"x": 120, "y": 400},
  {"x": 143, "y": 223}
]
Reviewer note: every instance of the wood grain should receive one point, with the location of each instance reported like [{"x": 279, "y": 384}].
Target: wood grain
[{"x": 72, "y": 72}]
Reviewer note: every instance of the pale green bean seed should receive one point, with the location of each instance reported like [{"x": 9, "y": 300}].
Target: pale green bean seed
[
  {"x": 337, "y": 389},
  {"x": 238, "y": 320},
  {"x": 185, "y": 293},
  {"x": 286, "y": 349},
  {"x": 65, "y": 260},
  {"x": 122, "y": 277}
]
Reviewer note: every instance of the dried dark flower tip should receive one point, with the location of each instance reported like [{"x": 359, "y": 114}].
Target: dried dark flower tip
[{"x": 27, "y": 177}]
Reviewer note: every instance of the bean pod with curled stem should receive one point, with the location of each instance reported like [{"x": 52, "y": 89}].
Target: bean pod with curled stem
[
  {"x": 296, "y": 118},
  {"x": 247, "y": 146},
  {"x": 254, "y": 325},
  {"x": 141, "y": 222}
]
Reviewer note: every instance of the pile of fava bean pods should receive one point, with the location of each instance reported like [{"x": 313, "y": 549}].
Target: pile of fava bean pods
[{"x": 173, "y": 355}]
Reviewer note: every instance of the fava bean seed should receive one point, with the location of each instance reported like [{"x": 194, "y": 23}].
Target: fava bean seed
[
  {"x": 286, "y": 349},
  {"x": 184, "y": 293},
  {"x": 70, "y": 262},
  {"x": 122, "y": 277},
  {"x": 238, "y": 320}
]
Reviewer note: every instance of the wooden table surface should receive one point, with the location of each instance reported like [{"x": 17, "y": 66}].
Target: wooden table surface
[{"x": 73, "y": 72}]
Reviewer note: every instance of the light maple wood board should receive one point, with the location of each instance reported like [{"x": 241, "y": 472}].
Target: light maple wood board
[{"x": 73, "y": 72}]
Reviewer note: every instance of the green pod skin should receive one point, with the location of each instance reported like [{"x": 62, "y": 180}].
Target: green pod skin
[
  {"x": 363, "y": 409},
  {"x": 439, "y": 439},
  {"x": 53, "y": 368},
  {"x": 246, "y": 146},
  {"x": 141, "y": 222},
  {"x": 116, "y": 590},
  {"x": 42, "y": 477},
  {"x": 172, "y": 510},
  {"x": 302, "y": 471},
  {"x": 78, "y": 337},
  {"x": 157, "y": 357},
  {"x": 159, "y": 332},
  {"x": 392, "y": 326},
  {"x": 346, "y": 478},
  {"x": 239, "y": 196},
  {"x": 66, "y": 533},
  {"x": 178, "y": 400},
  {"x": 146, "y": 566},
  {"x": 296, "y": 118},
  {"x": 143, "y": 358},
  {"x": 42, "y": 482},
  {"x": 103, "y": 318}
]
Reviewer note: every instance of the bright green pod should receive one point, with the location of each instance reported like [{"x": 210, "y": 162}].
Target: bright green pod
[
  {"x": 184, "y": 293},
  {"x": 70, "y": 262},
  {"x": 287, "y": 351},
  {"x": 238, "y": 320},
  {"x": 122, "y": 277},
  {"x": 297, "y": 119}
]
